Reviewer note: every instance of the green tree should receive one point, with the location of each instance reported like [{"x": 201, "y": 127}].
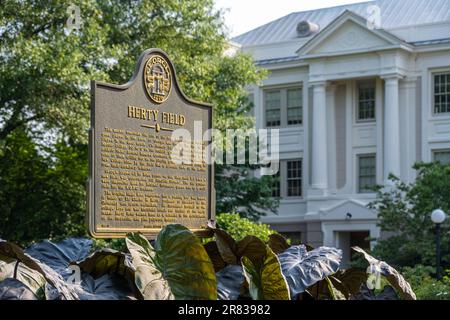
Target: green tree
[
  {"x": 239, "y": 191},
  {"x": 405, "y": 210},
  {"x": 42, "y": 196},
  {"x": 45, "y": 85}
]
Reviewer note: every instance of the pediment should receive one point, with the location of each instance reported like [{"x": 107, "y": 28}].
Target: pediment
[
  {"x": 356, "y": 209},
  {"x": 349, "y": 36},
  {"x": 348, "y": 33}
]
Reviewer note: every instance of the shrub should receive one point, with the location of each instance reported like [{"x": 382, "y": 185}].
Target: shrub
[
  {"x": 425, "y": 286},
  {"x": 239, "y": 227}
]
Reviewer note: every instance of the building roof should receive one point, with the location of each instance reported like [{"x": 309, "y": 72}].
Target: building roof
[{"x": 394, "y": 13}]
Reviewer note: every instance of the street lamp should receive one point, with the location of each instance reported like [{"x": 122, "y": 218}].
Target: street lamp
[{"x": 438, "y": 217}]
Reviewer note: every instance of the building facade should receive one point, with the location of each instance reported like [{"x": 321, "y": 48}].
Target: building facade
[{"x": 358, "y": 92}]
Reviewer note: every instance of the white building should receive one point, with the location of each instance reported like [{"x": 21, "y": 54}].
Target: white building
[{"x": 358, "y": 92}]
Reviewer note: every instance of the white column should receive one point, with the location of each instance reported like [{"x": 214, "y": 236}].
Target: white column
[
  {"x": 391, "y": 128},
  {"x": 380, "y": 128},
  {"x": 408, "y": 87},
  {"x": 319, "y": 139},
  {"x": 331, "y": 138}
]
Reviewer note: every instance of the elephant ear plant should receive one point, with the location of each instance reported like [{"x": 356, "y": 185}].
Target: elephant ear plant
[
  {"x": 395, "y": 279},
  {"x": 178, "y": 266},
  {"x": 255, "y": 267},
  {"x": 303, "y": 269}
]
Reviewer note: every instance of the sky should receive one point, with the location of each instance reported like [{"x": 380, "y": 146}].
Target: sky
[{"x": 244, "y": 15}]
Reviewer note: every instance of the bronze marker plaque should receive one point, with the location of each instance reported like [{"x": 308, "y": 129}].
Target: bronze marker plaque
[{"x": 134, "y": 183}]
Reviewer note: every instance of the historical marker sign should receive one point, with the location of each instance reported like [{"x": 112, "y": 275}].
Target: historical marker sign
[{"x": 135, "y": 184}]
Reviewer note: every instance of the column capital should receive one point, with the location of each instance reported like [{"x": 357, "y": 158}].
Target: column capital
[
  {"x": 322, "y": 83},
  {"x": 409, "y": 82},
  {"x": 391, "y": 76},
  {"x": 410, "y": 79}
]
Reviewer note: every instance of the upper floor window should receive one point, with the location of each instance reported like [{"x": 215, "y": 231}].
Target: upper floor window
[
  {"x": 443, "y": 156},
  {"x": 367, "y": 178},
  {"x": 283, "y": 107},
  {"x": 273, "y": 108},
  {"x": 366, "y": 101},
  {"x": 442, "y": 93},
  {"x": 294, "y": 178}
]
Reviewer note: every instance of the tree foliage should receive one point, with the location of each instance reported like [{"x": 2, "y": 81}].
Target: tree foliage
[
  {"x": 405, "y": 210},
  {"x": 41, "y": 196}
]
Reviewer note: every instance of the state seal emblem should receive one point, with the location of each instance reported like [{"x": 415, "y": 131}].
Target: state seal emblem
[{"x": 157, "y": 78}]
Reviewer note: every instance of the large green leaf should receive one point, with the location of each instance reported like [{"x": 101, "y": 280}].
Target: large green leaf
[
  {"x": 232, "y": 252},
  {"x": 108, "y": 274},
  {"x": 178, "y": 267},
  {"x": 278, "y": 243},
  {"x": 216, "y": 258},
  {"x": 303, "y": 269},
  {"x": 148, "y": 279},
  {"x": 106, "y": 261},
  {"x": 392, "y": 276},
  {"x": 266, "y": 282},
  {"x": 185, "y": 264},
  {"x": 227, "y": 247},
  {"x": 251, "y": 247}
]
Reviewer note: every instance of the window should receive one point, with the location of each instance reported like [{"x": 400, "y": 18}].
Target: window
[
  {"x": 366, "y": 101},
  {"x": 294, "y": 106},
  {"x": 294, "y": 178},
  {"x": 273, "y": 112},
  {"x": 442, "y": 156},
  {"x": 288, "y": 183},
  {"x": 283, "y": 107},
  {"x": 367, "y": 173},
  {"x": 442, "y": 93}
]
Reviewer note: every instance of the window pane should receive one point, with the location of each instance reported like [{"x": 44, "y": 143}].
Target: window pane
[
  {"x": 443, "y": 157},
  {"x": 273, "y": 103},
  {"x": 366, "y": 101},
  {"x": 442, "y": 93},
  {"x": 367, "y": 173},
  {"x": 294, "y": 106},
  {"x": 294, "y": 178}
]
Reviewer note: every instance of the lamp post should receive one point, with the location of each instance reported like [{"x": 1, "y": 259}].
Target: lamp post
[{"x": 438, "y": 217}]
